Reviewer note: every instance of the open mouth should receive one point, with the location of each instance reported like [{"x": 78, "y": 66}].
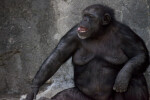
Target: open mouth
[{"x": 82, "y": 29}]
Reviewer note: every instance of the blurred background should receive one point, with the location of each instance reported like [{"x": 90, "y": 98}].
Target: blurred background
[{"x": 30, "y": 29}]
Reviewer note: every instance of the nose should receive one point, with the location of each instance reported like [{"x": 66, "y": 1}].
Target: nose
[{"x": 86, "y": 19}]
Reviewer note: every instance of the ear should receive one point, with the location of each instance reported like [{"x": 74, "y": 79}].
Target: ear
[{"x": 106, "y": 19}]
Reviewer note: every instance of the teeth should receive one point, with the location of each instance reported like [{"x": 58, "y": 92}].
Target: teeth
[{"x": 82, "y": 31}]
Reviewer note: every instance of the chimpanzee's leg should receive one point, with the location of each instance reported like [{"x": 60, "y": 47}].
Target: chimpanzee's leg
[
  {"x": 118, "y": 96},
  {"x": 137, "y": 90},
  {"x": 70, "y": 94}
]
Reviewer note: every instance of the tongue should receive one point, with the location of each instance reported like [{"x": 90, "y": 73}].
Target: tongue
[{"x": 82, "y": 29}]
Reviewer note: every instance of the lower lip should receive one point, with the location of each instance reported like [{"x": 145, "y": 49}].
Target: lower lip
[{"x": 81, "y": 37}]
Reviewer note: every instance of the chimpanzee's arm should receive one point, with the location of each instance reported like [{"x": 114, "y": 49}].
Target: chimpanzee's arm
[
  {"x": 64, "y": 50},
  {"x": 137, "y": 53},
  {"x": 135, "y": 49}
]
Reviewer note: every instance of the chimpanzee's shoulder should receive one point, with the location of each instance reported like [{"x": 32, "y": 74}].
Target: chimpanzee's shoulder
[{"x": 126, "y": 32}]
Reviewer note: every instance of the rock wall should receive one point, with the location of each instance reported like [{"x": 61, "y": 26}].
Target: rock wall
[{"x": 30, "y": 29}]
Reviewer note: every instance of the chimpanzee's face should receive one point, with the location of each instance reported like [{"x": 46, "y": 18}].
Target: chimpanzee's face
[
  {"x": 89, "y": 23},
  {"x": 92, "y": 21}
]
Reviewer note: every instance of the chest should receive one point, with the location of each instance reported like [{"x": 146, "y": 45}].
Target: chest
[{"x": 107, "y": 49}]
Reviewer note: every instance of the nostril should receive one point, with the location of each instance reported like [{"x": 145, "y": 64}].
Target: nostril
[{"x": 85, "y": 19}]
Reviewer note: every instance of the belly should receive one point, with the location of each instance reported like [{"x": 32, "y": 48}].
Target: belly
[{"x": 94, "y": 78}]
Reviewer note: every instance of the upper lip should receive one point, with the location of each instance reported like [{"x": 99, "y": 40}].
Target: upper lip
[{"x": 82, "y": 29}]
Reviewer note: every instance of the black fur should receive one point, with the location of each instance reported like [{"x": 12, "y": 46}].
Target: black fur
[{"x": 108, "y": 57}]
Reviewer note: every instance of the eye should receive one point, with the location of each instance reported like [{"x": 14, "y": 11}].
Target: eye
[
  {"x": 91, "y": 16},
  {"x": 88, "y": 15},
  {"x": 84, "y": 15}
]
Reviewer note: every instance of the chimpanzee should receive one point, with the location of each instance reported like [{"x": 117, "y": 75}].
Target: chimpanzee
[{"x": 108, "y": 58}]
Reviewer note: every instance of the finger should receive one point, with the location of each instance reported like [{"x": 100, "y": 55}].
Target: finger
[
  {"x": 117, "y": 90},
  {"x": 35, "y": 91},
  {"x": 124, "y": 90},
  {"x": 29, "y": 96},
  {"x": 120, "y": 90},
  {"x": 114, "y": 88},
  {"x": 34, "y": 96}
]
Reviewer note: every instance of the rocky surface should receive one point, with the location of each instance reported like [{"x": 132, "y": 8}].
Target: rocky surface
[{"x": 30, "y": 29}]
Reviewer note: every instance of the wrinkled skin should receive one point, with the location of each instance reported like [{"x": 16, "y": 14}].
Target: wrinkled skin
[{"x": 108, "y": 58}]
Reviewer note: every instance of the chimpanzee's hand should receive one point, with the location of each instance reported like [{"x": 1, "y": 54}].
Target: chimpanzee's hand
[
  {"x": 32, "y": 94},
  {"x": 122, "y": 81}
]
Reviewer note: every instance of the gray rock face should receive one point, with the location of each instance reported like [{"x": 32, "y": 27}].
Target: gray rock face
[{"x": 30, "y": 29}]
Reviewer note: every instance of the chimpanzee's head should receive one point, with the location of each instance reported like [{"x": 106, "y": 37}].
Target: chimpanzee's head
[{"x": 94, "y": 19}]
